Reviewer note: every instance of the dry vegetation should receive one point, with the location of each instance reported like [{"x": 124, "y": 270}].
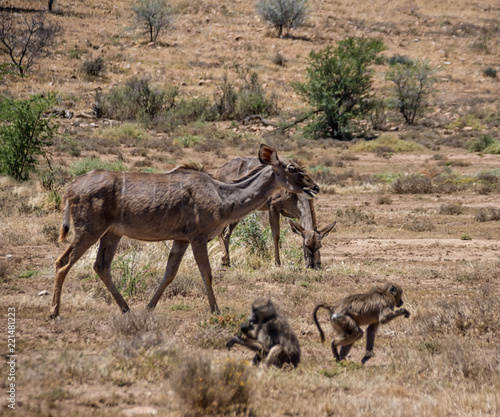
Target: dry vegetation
[{"x": 418, "y": 209}]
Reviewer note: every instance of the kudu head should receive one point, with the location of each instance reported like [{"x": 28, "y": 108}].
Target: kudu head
[
  {"x": 312, "y": 242},
  {"x": 288, "y": 174}
]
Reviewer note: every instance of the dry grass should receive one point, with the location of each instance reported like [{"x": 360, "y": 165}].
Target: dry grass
[{"x": 403, "y": 217}]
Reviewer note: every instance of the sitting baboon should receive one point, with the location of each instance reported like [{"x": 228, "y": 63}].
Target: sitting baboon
[
  {"x": 373, "y": 308},
  {"x": 269, "y": 335}
]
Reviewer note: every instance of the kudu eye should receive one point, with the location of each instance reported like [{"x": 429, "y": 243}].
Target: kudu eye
[{"x": 292, "y": 169}]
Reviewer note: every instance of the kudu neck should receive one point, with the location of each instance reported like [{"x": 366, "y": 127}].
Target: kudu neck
[
  {"x": 250, "y": 193},
  {"x": 307, "y": 213}
]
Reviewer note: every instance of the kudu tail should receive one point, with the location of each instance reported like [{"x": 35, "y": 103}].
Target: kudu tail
[
  {"x": 63, "y": 232},
  {"x": 327, "y": 307}
]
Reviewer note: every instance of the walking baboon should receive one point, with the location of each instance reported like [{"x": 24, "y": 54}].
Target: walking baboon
[
  {"x": 372, "y": 308},
  {"x": 269, "y": 334}
]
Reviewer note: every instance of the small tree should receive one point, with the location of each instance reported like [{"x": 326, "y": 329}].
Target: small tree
[
  {"x": 339, "y": 85},
  {"x": 26, "y": 38},
  {"x": 283, "y": 14},
  {"x": 24, "y": 134},
  {"x": 413, "y": 83},
  {"x": 153, "y": 16}
]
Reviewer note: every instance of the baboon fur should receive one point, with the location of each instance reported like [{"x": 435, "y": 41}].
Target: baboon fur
[
  {"x": 372, "y": 308},
  {"x": 269, "y": 335}
]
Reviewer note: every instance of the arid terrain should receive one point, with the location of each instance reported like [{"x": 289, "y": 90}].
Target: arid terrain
[{"x": 426, "y": 218}]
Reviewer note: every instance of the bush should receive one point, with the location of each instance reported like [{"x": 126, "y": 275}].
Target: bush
[
  {"x": 481, "y": 144},
  {"x": 283, "y": 14},
  {"x": 400, "y": 59},
  {"x": 136, "y": 100},
  {"x": 249, "y": 100},
  {"x": 152, "y": 16},
  {"x": 490, "y": 72},
  {"x": 124, "y": 133},
  {"x": 83, "y": 166},
  {"x": 451, "y": 209},
  {"x": 94, "y": 68},
  {"x": 249, "y": 233},
  {"x": 389, "y": 143},
  {"x": 188, "y": 110},
  {"x": 206, "y": 388},
  {"x": 413, "y": 83},
  {"x": 412, "y": 184},
  {"x": 24, "y": 134},
  {"x": 488, "y": 214},
  {"x": 339, "y": 85}
]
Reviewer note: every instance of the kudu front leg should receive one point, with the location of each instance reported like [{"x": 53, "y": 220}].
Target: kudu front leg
[
  {"x": 274, "y": 222},
  {"x": 174, "y": 260},
  {"x": 200, "y": 253}
]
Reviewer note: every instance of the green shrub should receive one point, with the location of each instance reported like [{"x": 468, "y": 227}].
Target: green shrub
[
  {"x": 126, "y": 132},
  {"x": 400, "y": 59},
  {"x": 249, "y": 99},
  {"x": 136, "y": 100},
  {"x": 83, "y": 166},
  {"x": 466, "y": 121},
  {"x": 188, "y": 110},
  {"x": 389, "y": 143},
  {"x": 283, "y": 14},
  {"x": 131, "y": 276},
  {"x": 494, "y": 148},
  {"x": 251, "y": 234},
  {"x": 25, "y": 134},
  {"x": 413, "y": 84},
  {"x": 482, "y": 143},
  {"x": 189, "y": 141},
  {"x": 339, "y": 86}
]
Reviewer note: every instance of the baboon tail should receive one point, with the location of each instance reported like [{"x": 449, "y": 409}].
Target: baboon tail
[
  {"x": 327, "y": 307},
  {"x": 63, "y": 232}
]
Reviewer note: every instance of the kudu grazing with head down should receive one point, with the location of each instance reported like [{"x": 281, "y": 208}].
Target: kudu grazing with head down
[
  {"x": 185, "y": 205},
  {"x": 284, "y": 202}
]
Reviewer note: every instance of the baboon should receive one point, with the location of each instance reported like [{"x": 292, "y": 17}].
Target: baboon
[
  {"x": 269, "y": 334},
  {"x": 372, "y": 308}
]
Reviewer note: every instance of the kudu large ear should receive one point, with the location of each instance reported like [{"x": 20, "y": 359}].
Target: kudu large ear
[
  {"x": 297, "y": 228},
  {"x": 327, "y": 229},
  {"x": 267, "y": 155}
]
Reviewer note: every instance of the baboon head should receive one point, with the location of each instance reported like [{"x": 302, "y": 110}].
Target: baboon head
[
  {"x": 397, "y": 292},
  {"x": 312, "y": 242},
  {"x": 262, "y": 310}
]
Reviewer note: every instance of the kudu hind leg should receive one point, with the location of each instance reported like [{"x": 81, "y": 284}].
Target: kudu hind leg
[
  {"x": 107, "y": 249},
  {"x": 174, "y": 260},
  {"x": 63, "y": 264},
  {"x": 224, "y": 239}
]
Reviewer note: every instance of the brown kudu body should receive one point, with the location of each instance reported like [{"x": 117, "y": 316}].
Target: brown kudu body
[
  {"x": 185, "y": 205},
  {"x": 288, "y": 204}
]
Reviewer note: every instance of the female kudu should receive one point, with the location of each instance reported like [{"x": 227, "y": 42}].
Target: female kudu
[
  {"x": 288, "y": 204},
  {"x": 185, "y": 205}
]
